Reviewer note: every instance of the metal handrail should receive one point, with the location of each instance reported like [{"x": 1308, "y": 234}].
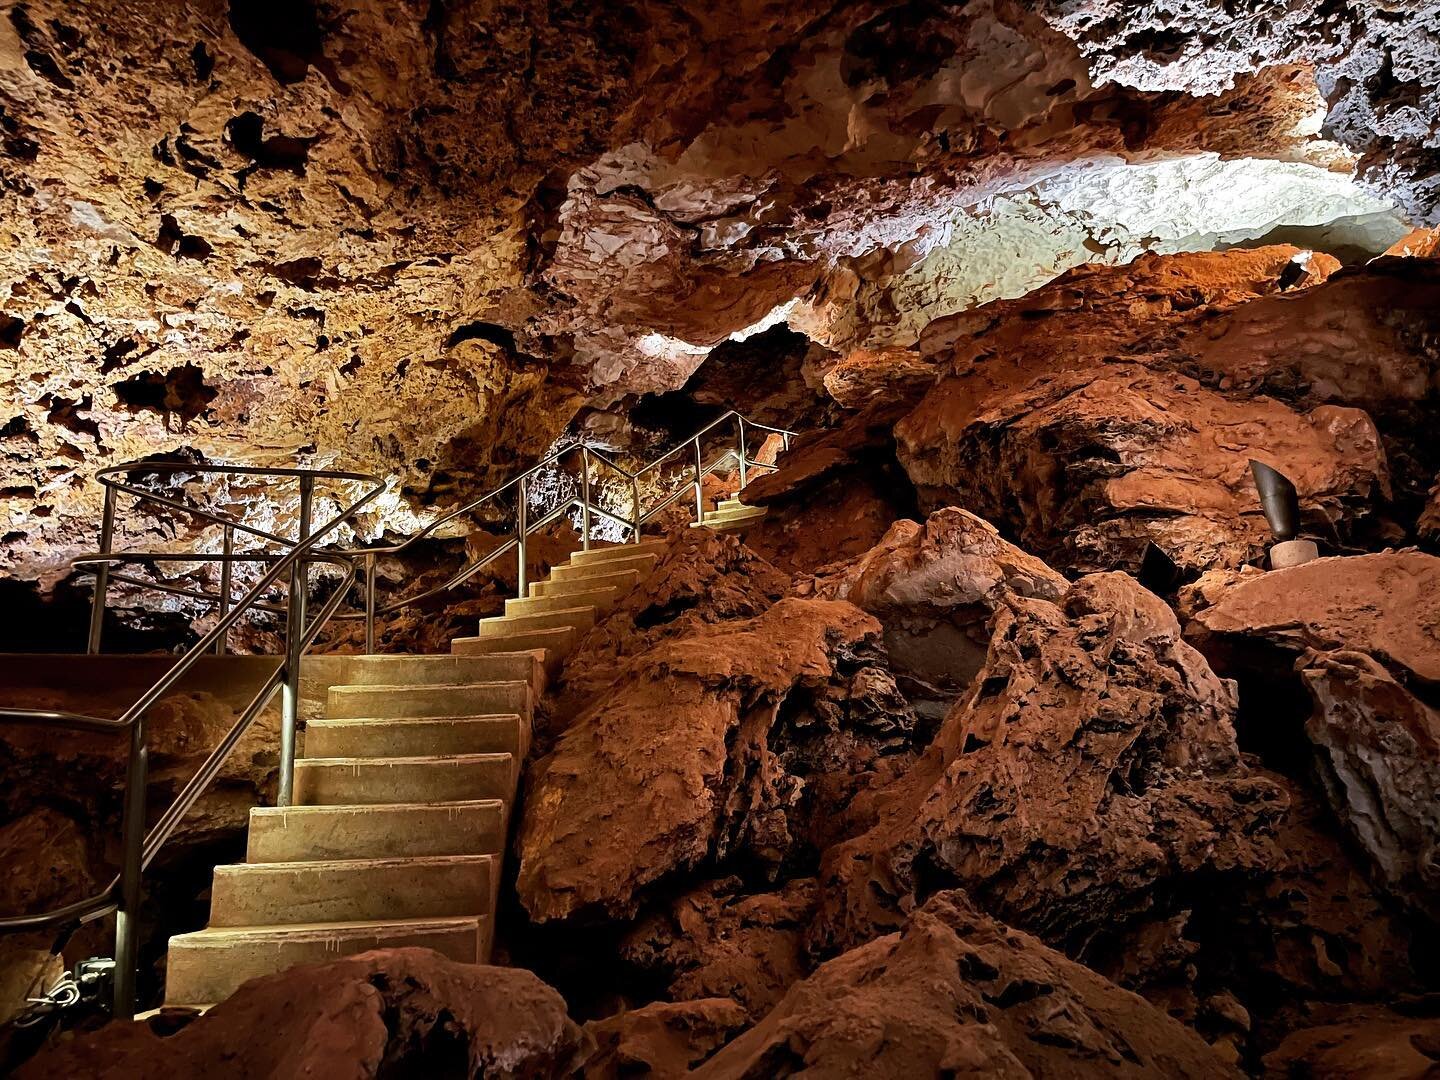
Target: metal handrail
[
  {"x": 122, "y": 895},
  {"x": 523, "y": 528}
]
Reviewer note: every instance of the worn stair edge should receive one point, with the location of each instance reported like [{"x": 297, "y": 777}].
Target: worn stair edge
[
  {"x": 582, "y": 617},
  {"x": 401, "y": 702},
  {"x": 383, "y": 830},
  {"x": 622, "y": 581},
  {"x": 211, "y": 964},
  {"x": 638, "y": 564},
  {"x": 601, "y": 554},
  {"x": 416, "y": 736},
  {"x": 366, "y": 781},
  {"x": 351, "y": 890}
]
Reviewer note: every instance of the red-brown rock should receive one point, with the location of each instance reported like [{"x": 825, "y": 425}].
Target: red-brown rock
[
  {"x": 383, "y": 1013},
  {"x": 955, "y": 993},
  {"x": 1366, "y": 1043},
  {"x": 1363, "y": 633},
  {"x": 756, "y": 737},
  {"x": 662, "y": 1041}
]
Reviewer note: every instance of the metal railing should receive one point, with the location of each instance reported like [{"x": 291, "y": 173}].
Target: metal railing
[
  {"x": 291, "y": 564},
  {"x": 122, "y": 895}
]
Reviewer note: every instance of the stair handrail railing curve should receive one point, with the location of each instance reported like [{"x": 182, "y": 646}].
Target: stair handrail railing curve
[
  {"x": 523, "y": 527},
  {"x": 139, "y": 848}
]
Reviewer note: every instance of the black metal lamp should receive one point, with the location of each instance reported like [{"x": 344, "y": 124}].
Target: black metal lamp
[{"x": 1281, "y": 506}]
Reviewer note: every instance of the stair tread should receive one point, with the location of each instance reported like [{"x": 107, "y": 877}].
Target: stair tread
[
  {"x": 378, "y": 688},
  {"x": 297, "y": 931},
  {"x": 376, "y": 808},
  {"x": 360, "y": 721},
  {"x": 380, "y": 862},
  {"x": 432, "y": 759}
]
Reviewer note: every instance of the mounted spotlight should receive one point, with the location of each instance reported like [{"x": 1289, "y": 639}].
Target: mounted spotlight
[{"x": 1281, "y": 505}]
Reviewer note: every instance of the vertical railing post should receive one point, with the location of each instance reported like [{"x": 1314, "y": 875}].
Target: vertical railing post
[
  {"x": 741, "y": 448},
  {"x": 102, "y": 572},
  {"x": 127, "y": 914},
  {"x": 227, "y": 549},
  {"x": 294, "y": 634},
  {"x": 584, "y": 497},
  {"x": 699, "y": 485},
  {"x": 635, "y": 507},
  {"x": 522, "y": 526},
  {"x": 785, "y": 441},
  {"x": 370, "y": 559}
]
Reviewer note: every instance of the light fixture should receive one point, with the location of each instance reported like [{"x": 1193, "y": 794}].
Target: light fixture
[{"x": 1281, "y": 506}]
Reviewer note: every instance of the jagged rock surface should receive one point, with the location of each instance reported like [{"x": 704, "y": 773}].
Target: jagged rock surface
[
  {"x": 755, "y": 739},
  {"x": 1362, "y": 635},
  {"x": 661, "y": 1041},
  {"x": 954, "y": 992}
]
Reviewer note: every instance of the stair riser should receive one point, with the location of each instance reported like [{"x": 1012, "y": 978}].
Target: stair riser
[
  {"x": 433, "y": 669},
  {"x": 375, "y": 832},
  {"x": 622, "y": 583},
  {"x": 636, "y": 564},
  {"x": 555, "y": 646},
  {"x": 331, "y": 892},
  {"x": 367, "y": 783},
  {"x": 601, "y": 599},
  {"x": 384, "y": 703},
  {"x": 582, "y": 618},
  {"x": 211, "y": 972},
  {"x": 623, "y": 551},
  {"x": 414, "y": 738}
]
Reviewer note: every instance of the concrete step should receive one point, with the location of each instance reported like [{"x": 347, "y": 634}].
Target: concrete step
[
  {"x": 555, "y": 644},
  {"x": 398, "y": 702},
  {"x": 357, "y": 890},
  {"x": 366, "y": 781},
  {"x": 293, "y": 833},
  {"x": 602, "y": 599},
  {"x": 582, "y": 617},
  {"x": 622, "y": 580},
  {"x": 434, "y": 669},
  {"x": 418, "y": 736},
  {"x": 618, "y": 551},
  {"x": 572, "y": 571},
  {"x": 210, "y": 965}
]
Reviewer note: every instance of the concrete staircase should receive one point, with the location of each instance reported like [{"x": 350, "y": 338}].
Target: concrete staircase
[
  {"x": 408, "y": 770},
  {"x": 732, "y": 515},
  {"x": 561, "y": 608},
  {"x": 402, "y": 799}
]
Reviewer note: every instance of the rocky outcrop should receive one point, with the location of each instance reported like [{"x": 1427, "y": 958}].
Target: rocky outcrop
[
  {"x": 934, "y": 588},
  {"x": 955, "y": 992},
  {"x": 1088, "y": 777},
  {"x": 1088, "y": 468},
  {"x": 716, "y": 941},
  {"x": 1360, "y": 634},
  {"x": 1362, "y": 1044},
  {"x": 383, "y": 1013},
  {"x": 661, "y": 1041},
  {"x": 702, "y": 580},
  {"x": 753, "y": 741}
]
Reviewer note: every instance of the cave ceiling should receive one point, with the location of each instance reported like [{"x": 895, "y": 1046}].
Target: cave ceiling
[{"x": 416, "y": 238}]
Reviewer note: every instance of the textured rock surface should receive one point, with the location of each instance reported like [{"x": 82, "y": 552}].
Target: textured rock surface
[
  {"x": 1091, "y": 772},
  {"x": 957, "y": 993},
  {"x": 662, "y": 1041},
  {"x": 383, "y": 1013},
  {"x": 934, "y": 587},
  {"x": 1360, "y": 1044},
  {"x": 1362, "y": 635},
  {"x": 750, "y": 740}
]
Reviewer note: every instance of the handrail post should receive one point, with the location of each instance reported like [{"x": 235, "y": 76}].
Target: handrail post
[
  {"x": 522, "y": 526},
  {"x": 699, "y": 485},
  {"x": 102, "y": 572},
  {"x": 294, "y": 636},
  {"x": 635, "y": 504},
  {"x": 584, "y": 497},
  {"x": 127, "y": 913},
  {"x": 741, "y": 425},
  {"x": 227, "y": 549},
  {"x": 370, "y": 559}
]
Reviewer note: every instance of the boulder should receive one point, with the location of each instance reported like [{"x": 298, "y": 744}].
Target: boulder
[
  {"x": 1362, "y": 636},
  {"x": 717, "y": 941},
  {"x": 934, "y": 588},
  {"x": 1363, "y": 1043},
  {"x": 956, "y": 993},
  {"x": 703, "y": 579},
  {"x": 1090, "y": 778},
  {"x": 663, "y": 1041},
  {"x": 384, "y": 1013},
  {"x": 757, "y": 739},
  {"x": 1086, "y": 468}
]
